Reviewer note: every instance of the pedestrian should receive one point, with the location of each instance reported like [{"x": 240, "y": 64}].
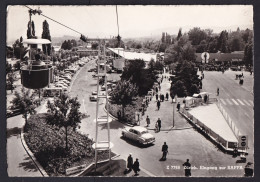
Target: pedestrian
[
  {"x": 164, "y": 150},
  {"x": 187, "y": 168},
  {"x": 148, "y": 121},
  {"x": 159, "y": 124},
  {"x": 156, "y": 127},
  {"x": 158, "y": 104},
  {"x": 184, "y": 102},
  {"x": 178, "y": 106},
  {"x": 167, "y": 96},
  {"x": 130, "y": 162},
  {"x": 162, "y": 97},
  {"x": 136, "y": 167},
  {"x": 156, "y": 97},
  {"x": 217, "y": 91},
  {"x": 205, "y": 98},
  {"x": 156, "y": 89}
]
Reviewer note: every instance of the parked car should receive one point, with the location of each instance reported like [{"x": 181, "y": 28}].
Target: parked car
[
  {"x": 138, "y": 134},
  {"x": 13, "y": 111},
  {"x": 93, "y": 98},
  {"x": 94, "y": 93}
]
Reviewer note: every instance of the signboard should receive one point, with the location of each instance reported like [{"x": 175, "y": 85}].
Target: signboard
[
  {"x": 205, "y": 57},
  {"x": 243, "y": 141}
]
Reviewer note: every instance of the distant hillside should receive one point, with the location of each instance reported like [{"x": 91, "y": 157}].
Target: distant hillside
[{"x": 59, "y": 40}]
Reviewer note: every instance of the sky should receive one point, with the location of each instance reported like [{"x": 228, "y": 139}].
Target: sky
[{"x": 134, "y": 21}]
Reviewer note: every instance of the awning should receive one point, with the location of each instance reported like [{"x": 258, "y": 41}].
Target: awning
[{"x": 36, "y": 41}]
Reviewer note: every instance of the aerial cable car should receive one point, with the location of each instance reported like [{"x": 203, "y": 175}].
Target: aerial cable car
[{"x": 36, "y": 74}]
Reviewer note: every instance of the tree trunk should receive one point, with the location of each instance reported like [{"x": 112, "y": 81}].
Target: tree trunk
[
  {"x": 123, "y": 111},
  {"x": 66, "y": 133}
]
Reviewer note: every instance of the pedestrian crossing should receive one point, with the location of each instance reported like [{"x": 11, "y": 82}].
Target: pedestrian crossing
[{"x": 237, "y": 102}]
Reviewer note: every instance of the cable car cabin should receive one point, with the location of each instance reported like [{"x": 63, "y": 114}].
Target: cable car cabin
[{"x": 36, "y": 74}]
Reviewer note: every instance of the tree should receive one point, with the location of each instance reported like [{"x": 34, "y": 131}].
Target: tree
[
  {"x": 222, "y": 42},
  {"x": 64, "y": 113},
  {"x": 179, "y": 34},
  {"x": 24, "y": 101},
  {"x": 196, "y": 35},
  {"x": 248, "y": 54},
  {"x": 64, "y": 45},
  {"x": 46, "y": 35},
  {"x": 123, "y": 94},
  {"x": 163, "y": 37},
  {"x": 8, "y": 67},
  {"x": 137, "y": 74},
  {"x": 94, "y": 45},
  {"x": 10, "y": 80}
]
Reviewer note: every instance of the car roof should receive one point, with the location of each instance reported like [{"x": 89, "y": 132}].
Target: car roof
[{"x": 139, "y": 128}]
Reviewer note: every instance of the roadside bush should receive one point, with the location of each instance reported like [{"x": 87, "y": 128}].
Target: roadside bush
[
  {"x": 47, "y": 143},
  {"x": 129, "y": 110}
]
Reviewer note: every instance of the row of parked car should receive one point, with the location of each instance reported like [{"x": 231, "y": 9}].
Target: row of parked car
[{"x": 64, "y": 79}]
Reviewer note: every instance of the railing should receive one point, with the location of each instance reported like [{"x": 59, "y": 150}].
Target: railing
[{"x": 229, "y": 121}]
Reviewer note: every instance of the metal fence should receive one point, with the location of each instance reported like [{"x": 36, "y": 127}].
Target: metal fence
[{"x": 229, "y": 121}]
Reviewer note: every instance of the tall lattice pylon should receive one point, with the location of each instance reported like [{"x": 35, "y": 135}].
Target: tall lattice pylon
[{"x": 102, "y": 73}]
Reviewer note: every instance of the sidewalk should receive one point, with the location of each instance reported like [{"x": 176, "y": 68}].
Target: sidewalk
[
  {"x": 19, "y": 162},
  {"x": 166, "y": 111}
]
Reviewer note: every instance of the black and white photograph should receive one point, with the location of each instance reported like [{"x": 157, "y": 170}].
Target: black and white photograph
[{"x": 130, "y": 91}]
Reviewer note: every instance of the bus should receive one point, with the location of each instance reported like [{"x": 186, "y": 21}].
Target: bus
[{"x": 52, "y": 92}]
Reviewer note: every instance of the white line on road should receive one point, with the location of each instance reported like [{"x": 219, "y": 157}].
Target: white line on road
[
  {"x": 247, "y": 102},
  {"x": 229, "y": 101},
  {"x": 240, "y": 102},
  {"x": 235, "y": 101},
  {"x": 251, "y": 102},
  {"x": 84, "y": 106},
  {"x": 223, "y": 101},
  {"x": 147, "y": 172}
]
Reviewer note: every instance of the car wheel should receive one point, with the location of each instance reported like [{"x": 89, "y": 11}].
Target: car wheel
[{"x": 140, "y": 143}]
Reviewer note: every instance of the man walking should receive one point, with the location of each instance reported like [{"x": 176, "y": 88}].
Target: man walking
[
  {"x": 159, "y": 124},
  {"x": 130, "y": 162},
  {"x": 217, "y": 91},
  {"x": 156, "y": 97},
  {"x": 178, "y": 106},
  {"x": 158, "y": 104},
  {"x": 187, "y": 168},
  {"x": 164, "y": 150},
  {"x": 148, "y": 121},
  {"x": 136, "y": 167},
  {"x": 167, "y": 96}
]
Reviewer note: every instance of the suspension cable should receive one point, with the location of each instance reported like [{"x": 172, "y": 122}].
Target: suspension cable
[{"x": 55, "y": 21}]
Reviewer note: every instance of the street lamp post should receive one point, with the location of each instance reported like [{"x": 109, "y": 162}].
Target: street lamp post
[{"x": 173, "y": 112}]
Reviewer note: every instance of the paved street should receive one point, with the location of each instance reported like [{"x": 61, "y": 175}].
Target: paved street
[
  {"x": 237, "y": 100},
  {"x": 184, "y": 142}
]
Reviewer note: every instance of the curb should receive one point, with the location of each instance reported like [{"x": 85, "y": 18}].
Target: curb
[
  {"x": 91, "y": 164},
  {"x": 146, "y": 127},
  {"x": 127, "y": 124},
  {"x": 31, "y": 155}
]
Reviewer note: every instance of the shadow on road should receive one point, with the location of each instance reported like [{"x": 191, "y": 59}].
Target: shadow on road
[
  {"x": 134, "y": 143},
  {"x": 28, "y": 165},
  {"x": 13, "y": 132},
  {"x": 113, "y": 125}
]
